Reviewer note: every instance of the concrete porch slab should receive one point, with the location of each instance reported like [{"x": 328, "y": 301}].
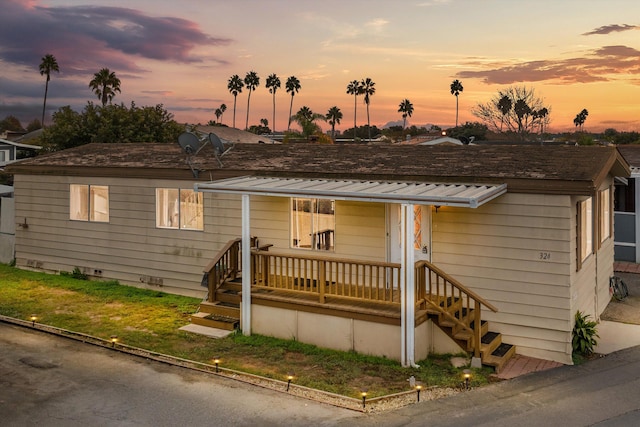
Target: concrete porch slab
[{"x": 204, "y": 330}]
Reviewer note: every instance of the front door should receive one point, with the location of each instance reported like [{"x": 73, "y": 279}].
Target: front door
[{"x": 421, "y": 236}]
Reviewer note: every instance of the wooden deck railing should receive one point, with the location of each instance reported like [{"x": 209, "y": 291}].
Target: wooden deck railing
[
  {"x": 325, "y": 276},
  {"x": 439, "y": 291},
  {"x": 225, "y": 265}
]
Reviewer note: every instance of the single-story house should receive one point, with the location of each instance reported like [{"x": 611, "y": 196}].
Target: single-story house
[
  {"x": 397, "y": 251},
  {"x": 10, "y": 151},
  {"x": 626, "y": 208}
]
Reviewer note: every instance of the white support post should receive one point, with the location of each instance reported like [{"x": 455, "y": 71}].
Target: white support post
[
  {"x": 246, "y": 266},
  {"x": 410, "y": 282},
  {"x": 403, "y": 286}
]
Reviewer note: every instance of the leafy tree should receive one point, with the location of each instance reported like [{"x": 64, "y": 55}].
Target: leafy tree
[
  {"x": 355, "y": 88},
  {"x": 406, "y": 108},
  {"x": 334, "y": 115},
  {"x": 362, "y": 132},
  {"x": 456, "y": 89},
  {"x": 261, "y": 129},
  {"x": 112, "y": 123},
  {"x": 476, "y": 129},
  {"x": 273, "y": 83},
  {"x": 34, "y": 125},
  {"x": 513, "y": 108},
  {"x": 11, "y": 123},
  {"x": 368, "y": 89},
  {"x": 581, "y": 117},
  {"x": 105, "y": 84},
  {"x": 47, "y": 66},
  {"x": 306, "y": 119},
  {"x": 235, "y": 85},
  {"x": 292, "y": 86},
  {"x": 251, "y": 81}
]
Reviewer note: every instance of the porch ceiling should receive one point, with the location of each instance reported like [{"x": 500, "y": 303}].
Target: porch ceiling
[{"x": 462, "y": 195}]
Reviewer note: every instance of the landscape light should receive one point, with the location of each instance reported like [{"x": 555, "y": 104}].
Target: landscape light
[
  {"x": 114, "y": 340},
  {"x": 363, "y": 393},
  {"x": 33, "y": 320},
  {"x": 216, "y": 361},
  {"x": 290, "y": 376},
  {"x": 467, "y": 377},
  {"x": 418, "y": 388}
]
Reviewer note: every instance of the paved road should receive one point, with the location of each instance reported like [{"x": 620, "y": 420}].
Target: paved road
[
  {"x": 47, "y": 380},
  {"x": 53, "y": 381}
]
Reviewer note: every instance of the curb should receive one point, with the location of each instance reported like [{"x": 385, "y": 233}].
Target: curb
[{"x": 376, "y": 404}]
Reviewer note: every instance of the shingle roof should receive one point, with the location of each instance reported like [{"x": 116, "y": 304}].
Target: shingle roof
[{"x": 485, "y": 163}]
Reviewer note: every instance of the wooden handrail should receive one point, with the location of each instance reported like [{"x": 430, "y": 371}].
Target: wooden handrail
[
  {"x": 448, "y": 296},
  {"x": 457, "y": 284},
  {"x": 226, "y": 264}
]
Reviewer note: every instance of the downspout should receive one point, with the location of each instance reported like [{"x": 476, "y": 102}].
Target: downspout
[{"x": 246, "y": 266}]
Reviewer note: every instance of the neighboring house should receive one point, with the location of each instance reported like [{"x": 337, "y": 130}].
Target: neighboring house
[
  {"x": 11, "y": 151},
  {"x": 7, "y": 224},
  {"x": 627, "y": 196},
  {"x": 388, "y": 250}
]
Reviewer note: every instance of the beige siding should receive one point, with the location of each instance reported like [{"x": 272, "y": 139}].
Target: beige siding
[
  {"x": 129, "y": 248},
  {"x": 515, "y": 252}
]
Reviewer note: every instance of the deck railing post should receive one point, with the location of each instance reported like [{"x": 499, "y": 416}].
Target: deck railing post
[
  {"x": 265, "y": 269},
  {"x": 321, "y": 280}
]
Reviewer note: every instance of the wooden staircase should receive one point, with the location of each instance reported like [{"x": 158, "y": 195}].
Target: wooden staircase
[
  {"x": 224, "y": 311},
  {"x": 450, "y": 316}
]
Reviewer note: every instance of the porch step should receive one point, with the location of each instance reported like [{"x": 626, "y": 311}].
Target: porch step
[
  {"x": 500, "y": 356},
  {"x": 220, "y": 308},
  {"x": 215, "y": 321}
]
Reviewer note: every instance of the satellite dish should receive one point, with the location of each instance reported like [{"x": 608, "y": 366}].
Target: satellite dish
[
  {"x": 189, "y": 142},
  {"x": 218, "y": 146}
]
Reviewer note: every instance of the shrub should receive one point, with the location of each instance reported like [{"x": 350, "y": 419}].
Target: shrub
[{"x": 584, "y": 334}]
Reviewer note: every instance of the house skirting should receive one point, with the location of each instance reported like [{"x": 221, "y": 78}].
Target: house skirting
[{"x": 347, "y": 334}]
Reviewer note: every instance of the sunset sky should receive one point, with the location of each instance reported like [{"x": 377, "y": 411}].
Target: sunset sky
[{"x": 575, "y": 54}]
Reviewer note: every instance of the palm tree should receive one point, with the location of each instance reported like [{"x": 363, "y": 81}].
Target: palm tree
[
  {"x": 223, "y": 108},
  {"x": 47, "y": 65},
  {"x": 273, "y": 83},
  {"x": 306, "y": 119},
  {"x": 354, "y": 88},
  {"x": 235, "y": 86},
  {"x": 251, "y": 81},
  {"x": 581, "y": 117},
  {"x": 105, "y": 84},
  {"x": 504, "y": 105},
  {"x": 293, "y": 86},
  {"x": 368, "y": 88},
  {"x": 542, "y": 114},
  {"x": 218, "y": 113},
  {"x": 406, "y": 108},
  {"x": 334, "y": 115},
  {"x": 456, "y": 89}
]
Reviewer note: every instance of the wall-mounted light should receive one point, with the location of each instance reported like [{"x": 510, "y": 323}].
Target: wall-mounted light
[
  {"x": 24, "y": 224},
  {"x": 437, "y": 207}
]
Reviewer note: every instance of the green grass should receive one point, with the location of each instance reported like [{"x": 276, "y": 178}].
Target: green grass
[{"x": 150, "y": 320}]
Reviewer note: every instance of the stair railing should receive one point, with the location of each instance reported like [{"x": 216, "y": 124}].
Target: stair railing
[
  {"x": 441, "y": 292},
  {"x": 224, "y": 266}
]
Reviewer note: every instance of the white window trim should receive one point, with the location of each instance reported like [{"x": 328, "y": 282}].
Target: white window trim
[
  {"x": 89, "y": 197},
  {"x": 179, "y": 209}
]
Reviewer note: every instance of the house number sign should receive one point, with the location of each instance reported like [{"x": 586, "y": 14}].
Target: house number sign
[{"x": 544, "y": 256}]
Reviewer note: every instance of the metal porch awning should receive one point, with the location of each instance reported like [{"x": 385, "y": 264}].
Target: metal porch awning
[{"x": 439, "y": 194}]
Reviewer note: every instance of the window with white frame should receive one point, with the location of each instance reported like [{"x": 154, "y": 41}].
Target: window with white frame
[
  {"x": 585, "y": 228},
  {"x": 313, "y": 224},
  {"x": 605, "y": 214},
  {"x": 179, "y": 208},
  {"x": 89, "y": 203}
]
